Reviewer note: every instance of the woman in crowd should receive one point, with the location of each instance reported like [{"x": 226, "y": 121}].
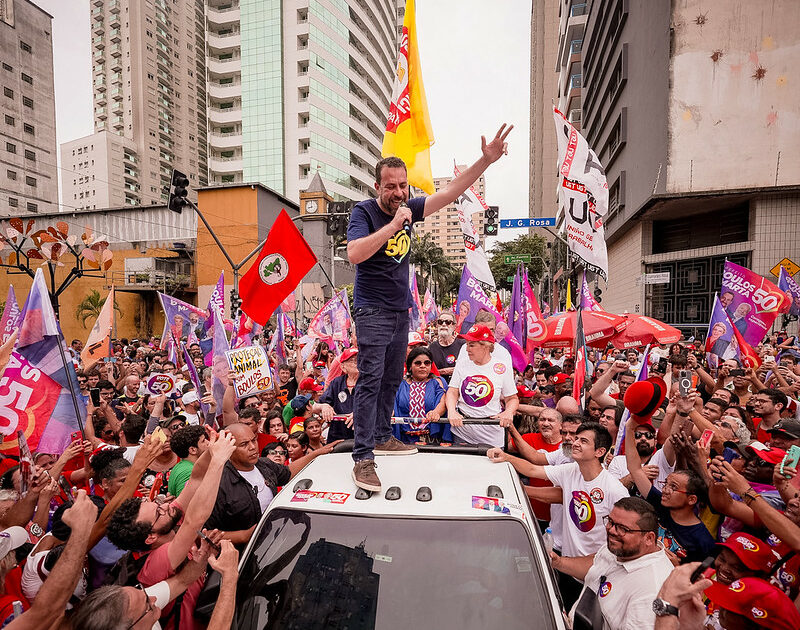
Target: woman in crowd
[
  {"x": 297, "y": 445},
  {"x": 314, "y": 433},
  {"x": 420, "y": 396},
  {"x": 276, "y": 452}
]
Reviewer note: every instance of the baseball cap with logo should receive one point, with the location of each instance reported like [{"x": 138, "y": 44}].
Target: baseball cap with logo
[
  {"x": 310, "y": 385},
  {"x": 758, "y": 601},
  {"x": 771, "y": 455},
  {"x": 478, "y": 332},
  {"x": 348, "y": 354},
  {"x": 415, "y": 339},
  {"x": 754, "y": 553},
  {"x": 524, "y": 392},
  {"x": 789, "y": 426},
  {"x": 320, "y": 364},
  {"x": 560, "y": 378},
  {"x": 12, "y": 538}
]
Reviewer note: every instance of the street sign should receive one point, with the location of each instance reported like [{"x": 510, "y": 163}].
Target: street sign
[
  {"x": 790, "y": 266},
  {"x": 656, "y": 278},
  {"x": 513, "y": 259},
  {"x": 523, "y": 223}
]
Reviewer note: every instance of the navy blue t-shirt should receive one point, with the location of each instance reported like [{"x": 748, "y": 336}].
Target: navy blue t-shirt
[{"x": 382, "y": 279}]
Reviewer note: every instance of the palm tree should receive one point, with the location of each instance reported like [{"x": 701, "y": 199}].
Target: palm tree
[
  {"x": 436, "y": 270},
  {"x": 90, "y": 306}
]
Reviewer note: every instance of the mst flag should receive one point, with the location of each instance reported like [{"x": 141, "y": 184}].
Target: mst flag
[
  {"x": 409, "y": 134},
  {"x": 98, "y": 346},
  {"x": 583, "y": 197},
  {"x": 283, "y": 262},
  {"x": 468, "y": 204}
]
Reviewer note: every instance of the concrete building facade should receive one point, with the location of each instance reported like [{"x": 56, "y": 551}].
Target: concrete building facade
[
  {"x": 148, "y": 83},
  {"x": 444, "y": 228},
  {"x": 297, "y": 88},
  {"x": 691, "y": 109},
  {"x": 28, "y": 170}
]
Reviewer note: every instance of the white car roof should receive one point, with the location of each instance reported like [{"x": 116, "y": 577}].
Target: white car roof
[{"x": 453, "y": 479}]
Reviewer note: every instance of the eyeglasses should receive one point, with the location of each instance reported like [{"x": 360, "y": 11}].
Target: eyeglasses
[
  {"x": 621, "y": 529},
  {"x": 671, "y": 486},
  {"x": 148, "y": 607},
  {"x": 421, "y": 363},
  {"x": 445, "y": 322}
]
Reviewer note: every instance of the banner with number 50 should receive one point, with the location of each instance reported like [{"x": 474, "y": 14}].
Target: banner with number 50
[{"x": 27, "y": 399}]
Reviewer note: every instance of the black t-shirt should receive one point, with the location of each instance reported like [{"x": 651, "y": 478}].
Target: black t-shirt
[
  {"x": 288, "y": 391},
  {"x": 382, "y": 279},
  {"x": 445, "y": 356},
  {"x": 691, "y": 543}
]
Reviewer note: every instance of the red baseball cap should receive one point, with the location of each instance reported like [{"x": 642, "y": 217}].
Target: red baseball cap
[
  {"x": 523, "y": 391},
  {"x": 754, "y": 553},
  {"x": 320, "y": 364},
  {"x": 757, "y": 600},
  {"x": 310, "y": 385},
  {"x": 348, "y": 354},
  {"x": 560, "y": 378},
  {"x": 769, "y": 454},
  {"x": 478, "y": 332},
  {"x": 415, "y": 339}
]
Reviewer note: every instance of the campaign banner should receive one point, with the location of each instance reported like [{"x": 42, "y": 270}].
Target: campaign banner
[
  {"x": 750, "y": 301},
  {"x": 471, "y": 298},
  {"x": 788, "y": 285},
  {"x": 582, "y": 196},
  {"x": 12, "y": 316},
  {"x": 158, "y": 384},
  {"x": 534, "y": 319},
  {"x": 253, "y": 374},
  {"x": 28, "y": 397},
  {"x": 185, "y": 320},
  {"x": 467, "y": 204},
  {"x": 720, "y": 333},
  {"x": 332, "y": 322}
]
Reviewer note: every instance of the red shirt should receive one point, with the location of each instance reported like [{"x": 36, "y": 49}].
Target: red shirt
[
  {"x": 542, "y": 510},
  {"x": 264, "y": 439},
  {"x": 761, "y": 435}
]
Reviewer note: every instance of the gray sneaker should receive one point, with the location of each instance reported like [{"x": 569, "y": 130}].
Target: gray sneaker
[
  {"x": 393, "y": 446},
  {"x": 365, "y": 477}
]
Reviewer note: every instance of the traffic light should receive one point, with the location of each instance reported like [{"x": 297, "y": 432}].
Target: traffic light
[
  {"x": 178, "y": 190},
  {"x": 236, "y": 303},
  {"x": 598, "y": 295},
  {"x": 338, "y": 217},
  {"x": 333, "y": 227},
  {"x": 490, "y": 221}
]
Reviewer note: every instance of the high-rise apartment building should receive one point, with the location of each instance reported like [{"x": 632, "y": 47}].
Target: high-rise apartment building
[
  {"x": 691, "y": 110},
  {"x": 28, "y": 171},
  {"x": 148, "y": 81},
  {"x": 298, "y": 88},
  {"x": 444, "y": 228}
]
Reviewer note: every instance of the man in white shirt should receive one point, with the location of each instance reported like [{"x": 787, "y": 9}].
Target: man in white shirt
[
  {"x": 626, "y": 572},
  {"x": 657, "y": 464}
]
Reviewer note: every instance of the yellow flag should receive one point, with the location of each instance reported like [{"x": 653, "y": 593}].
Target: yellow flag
[
  {"x": 98, "y": 346},
  {"x": 568, "y": 307},
  {"x": 409, "y": 134}
]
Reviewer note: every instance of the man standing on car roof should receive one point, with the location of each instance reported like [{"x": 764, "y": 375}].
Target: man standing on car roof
[{"x": 379, "y": 244}]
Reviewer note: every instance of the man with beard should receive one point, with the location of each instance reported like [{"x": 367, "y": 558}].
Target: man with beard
[
  {"x": 628, "y": 571},
  {"x": 657, "y": 464},
  {"x": 146, "y": 526},
  {"x": 445, "y": 349}
]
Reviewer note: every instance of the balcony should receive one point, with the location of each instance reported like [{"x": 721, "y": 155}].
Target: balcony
[
  {"x": 229, "y": 115},
  {"x": 581, "y": 8},
  {"x": 230, "y": 140},
  {"x": 221, "y": 17},
  {"x": 225, "y": 90},
  {"x": 113, "y": 6},
  {"x": 224, "y": 66},
  {"x": 115, "y": 35},
  {"x": 225, "y": 165},
  {"x": 155, "y": 274},
  {"x": 224, "y": 42},
  {"x": 128, "y": 157},
  {"x": 575, "y": 46},
  {"x": 115, "y": 50},
  {"x": 118, "y": 123},
  {"x": 97, "y": 27}
]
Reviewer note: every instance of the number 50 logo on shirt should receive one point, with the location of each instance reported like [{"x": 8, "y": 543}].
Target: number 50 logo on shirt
[{"x": 477, "y": 390}]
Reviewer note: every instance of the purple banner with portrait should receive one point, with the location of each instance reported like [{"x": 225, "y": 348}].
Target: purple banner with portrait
[
  {"x": 720, "y": 333},
  {"x": 789, "y": 286},
  {"x": 751, "y": 302},
  {"x": 471, "y": 298}
]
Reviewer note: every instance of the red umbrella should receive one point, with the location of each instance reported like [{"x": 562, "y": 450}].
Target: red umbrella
[
  {"x": 642, "y": 330},
  {"x": 598, "y": 328}
]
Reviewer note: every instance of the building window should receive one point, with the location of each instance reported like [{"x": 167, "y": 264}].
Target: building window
[
  {"x": 29, "y": 129},
  {"x": 30, "y": 155},
  {"x": 12, "y": 175},
  {"x": 9, "y": 120},
  {"x": 11, "y": 148},
  {"x": 30, "y": 181},
  {"x": 32, "y": 207},
  {"x": 27, "y": 102},
  {"x": 27, "y": 78},
  {"x": 6, "y": 67},
  {"x": 25, "y": 46},
  {"x": 8, "y": 92},
  {"x": 13, "y": 202}
]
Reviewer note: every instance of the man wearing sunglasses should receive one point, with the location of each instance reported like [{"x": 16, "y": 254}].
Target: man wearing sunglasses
[
  {"x": 447, "y": 345},
  {"x": 627, "y": 572}
]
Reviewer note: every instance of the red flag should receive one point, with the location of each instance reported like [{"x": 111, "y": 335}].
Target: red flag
[
  {"x": 747, "y": 356},
  {"x": 283, "y": 262},
  {"x": 498, "y": 303}
]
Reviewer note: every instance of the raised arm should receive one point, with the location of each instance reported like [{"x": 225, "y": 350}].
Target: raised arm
[
  {"x": 598, "y": 390},
  {"x": 522, "y": 466},
  {"x": 525, "y": 449},
  {"x": 634, "y": 461}
]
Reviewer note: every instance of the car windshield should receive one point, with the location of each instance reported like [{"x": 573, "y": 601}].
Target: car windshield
[{"x": 319, "y": 570}]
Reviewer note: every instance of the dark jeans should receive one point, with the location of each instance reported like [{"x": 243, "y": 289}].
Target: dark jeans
[{"x": 382, "y": 342}]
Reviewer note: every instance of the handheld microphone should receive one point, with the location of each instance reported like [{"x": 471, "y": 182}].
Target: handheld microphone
[{"x": 406, "y": 223}]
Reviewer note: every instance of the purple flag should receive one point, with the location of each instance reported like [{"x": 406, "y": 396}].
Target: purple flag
[
  {"x": 471, "y": 298},
  {"x": 720, "y": 334},
  {"x": 278, "y": 341},
  {"x": 623, "y": 423},
  {"x": 516, "y": 309},
  {"x": 785, "y": 282},
  {"x": 12, "y": 316},
  {"x": 195, "y": 378},
  {"x": 588, "y": 303},
  {"x": 219, "y": 367}
]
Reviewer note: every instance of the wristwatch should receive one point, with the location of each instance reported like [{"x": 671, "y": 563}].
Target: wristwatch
[{"x": 663, "y": 609}]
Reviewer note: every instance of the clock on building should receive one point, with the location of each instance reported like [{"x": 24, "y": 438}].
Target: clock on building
[{"x": 312, "y": 205}]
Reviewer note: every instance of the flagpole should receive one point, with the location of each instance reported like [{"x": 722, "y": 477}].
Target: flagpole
[{"x": 68, "y": 376}]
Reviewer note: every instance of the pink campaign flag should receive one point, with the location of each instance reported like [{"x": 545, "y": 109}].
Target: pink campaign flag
[
  {"x": 12, "y": 316},
  {"x": 332, "y": 322},
  {"x": 536, "y": 328},
  {"x": 219, "y": 365}
]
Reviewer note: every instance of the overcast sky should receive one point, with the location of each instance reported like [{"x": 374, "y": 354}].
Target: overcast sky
[{"x": 476, "y": 66}]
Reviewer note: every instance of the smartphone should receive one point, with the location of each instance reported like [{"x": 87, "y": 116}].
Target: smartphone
[
  {"x": 662, "y": 365},
  {"x": 62, "y": 481},
  {"x": 729, "y": 454},
  {"x": 769, "y": 359},
  {"x": 95, "y": 395},
  {"x": 737, "y": 372},
  {"x": 705, "y": 565},
  {"x": 156, "y": 487},
  {"x": 78, "y": 461},
  {"x": 684, "y": 382},
  {"x": 620, "y": 357},
  {"x": 791, "y": 459},
  {"x": 706, "y": 438},
  {"x": 213, "y": 545}
]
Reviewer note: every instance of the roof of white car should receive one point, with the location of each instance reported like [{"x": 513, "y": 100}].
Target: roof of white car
[{"x": 454, "y": 480}]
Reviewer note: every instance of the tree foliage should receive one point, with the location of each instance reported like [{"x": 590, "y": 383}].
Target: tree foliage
[
  {"x": 90, "y": 307},
  {"x": 436, "y": 270},
  {"x": 534, "y": 245}
]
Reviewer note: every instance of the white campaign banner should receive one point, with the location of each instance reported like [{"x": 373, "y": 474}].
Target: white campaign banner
[
  {"x": 582, "y": 196},
  {"x": 467, "y": 204}
]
